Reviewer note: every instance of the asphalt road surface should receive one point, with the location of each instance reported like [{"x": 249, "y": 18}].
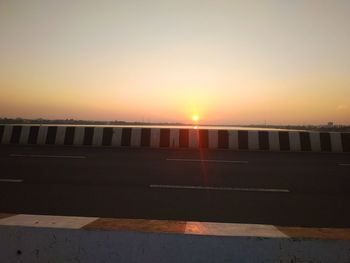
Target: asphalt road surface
[{"x": 292, "y": 189}]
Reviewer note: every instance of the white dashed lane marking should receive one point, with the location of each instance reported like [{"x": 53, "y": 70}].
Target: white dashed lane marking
[
  {"x": 11, "y": 180},
  {"x": 48, "y": 156},
  {"x": 208, "y": 161},
  {"x": 195, "y": 187}
]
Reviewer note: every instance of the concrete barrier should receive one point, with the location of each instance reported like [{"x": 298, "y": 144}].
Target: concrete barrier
[
  {"x": 241, "y": 140},
  {"x": 37, "y": 238}
]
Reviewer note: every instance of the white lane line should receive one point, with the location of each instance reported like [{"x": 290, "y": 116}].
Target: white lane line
[
  {"x": 11, "y": 180},
  {"x": 195, "y": 187},
  {"x": 207, "y": 161},
  {"x": 344, "y": 164},
  {"x": 48, "y": 156}
]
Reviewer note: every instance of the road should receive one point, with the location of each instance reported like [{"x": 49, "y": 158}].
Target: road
[{"x": 287, "y": 189}]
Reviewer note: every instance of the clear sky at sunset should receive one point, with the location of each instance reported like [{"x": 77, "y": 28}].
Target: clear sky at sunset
[{"x": 228, "y": 62}]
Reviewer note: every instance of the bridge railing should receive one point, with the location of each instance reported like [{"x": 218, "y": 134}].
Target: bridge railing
[{"x": 239, "y": 140}]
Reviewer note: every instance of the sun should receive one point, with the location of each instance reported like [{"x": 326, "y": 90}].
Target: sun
[{"x": 195, "y": 118}]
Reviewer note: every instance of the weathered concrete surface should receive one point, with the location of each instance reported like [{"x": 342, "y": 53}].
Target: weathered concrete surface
[
  {"x": 123, "y": 240},
  {"x": 214, "y": 229},
  {"x": 68, "y": 222}
]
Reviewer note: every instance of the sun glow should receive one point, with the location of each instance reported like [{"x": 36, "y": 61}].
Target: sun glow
[{"x": 195, "y": 118}]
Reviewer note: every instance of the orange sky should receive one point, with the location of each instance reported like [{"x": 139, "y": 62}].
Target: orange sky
[{"x": 229, "y": 62}]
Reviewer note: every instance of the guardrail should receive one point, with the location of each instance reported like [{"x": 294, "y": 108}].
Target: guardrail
[
  {"x": 257, "y": 140},
  {"x": 38, "y": 238}
]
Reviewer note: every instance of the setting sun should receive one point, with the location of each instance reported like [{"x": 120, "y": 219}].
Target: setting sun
[{"x": 220, "y": 62}]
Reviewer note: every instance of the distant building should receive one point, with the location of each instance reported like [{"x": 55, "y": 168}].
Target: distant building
[{"x": 330, "y": 124}]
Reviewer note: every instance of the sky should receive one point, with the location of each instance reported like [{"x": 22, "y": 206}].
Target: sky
[{"x": 228, "y": 62}]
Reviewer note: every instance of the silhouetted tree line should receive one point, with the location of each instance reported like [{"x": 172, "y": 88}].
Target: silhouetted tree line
[
  {"x": 79, "y": 122},
  {"x": 338, "y": 128},
  {"x": 335, "y": 128}
]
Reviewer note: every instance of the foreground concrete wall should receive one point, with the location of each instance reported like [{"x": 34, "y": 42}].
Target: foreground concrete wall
[
  {"x": 62, "y": 245},
  {"x": 28, "y": 238},
  {"x": 263, "y": 140}
]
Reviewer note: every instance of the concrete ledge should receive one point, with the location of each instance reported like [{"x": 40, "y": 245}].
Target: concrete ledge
[
  {"x": 36, "y": 238},
  {"x": 239, "y": 140},
  {"x": 218, "y": 229},
  {"x": 5, "y": 215}
]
